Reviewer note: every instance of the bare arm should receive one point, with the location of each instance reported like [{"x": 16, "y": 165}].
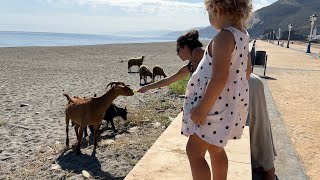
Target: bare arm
[
  {"x": 221, "y": 53},
  {"x": 180, "y": 74}
]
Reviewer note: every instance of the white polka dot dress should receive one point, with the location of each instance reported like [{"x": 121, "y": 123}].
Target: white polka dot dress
[{"x": 228, "y": 115}]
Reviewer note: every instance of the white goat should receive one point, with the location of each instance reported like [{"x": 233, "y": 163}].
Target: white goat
[
  {"x": 144, "y": 72},
  {"x": 158, "y": 71},
  {"x": 137, "y": 61}
]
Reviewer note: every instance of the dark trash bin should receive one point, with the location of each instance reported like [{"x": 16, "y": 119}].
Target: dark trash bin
[{"x": 260, "y": 58}]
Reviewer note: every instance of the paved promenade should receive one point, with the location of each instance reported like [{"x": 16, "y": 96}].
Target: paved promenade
[
  {"x": 167, "y": 158},
  {"x": 293, "y": 98}
]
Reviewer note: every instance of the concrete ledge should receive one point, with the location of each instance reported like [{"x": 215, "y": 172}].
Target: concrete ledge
[{"x": 167, "y": 159}]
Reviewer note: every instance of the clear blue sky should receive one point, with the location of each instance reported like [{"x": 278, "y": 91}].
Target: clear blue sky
[{"x": 104, "y": 16}]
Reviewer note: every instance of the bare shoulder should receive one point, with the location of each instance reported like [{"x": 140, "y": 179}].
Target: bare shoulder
[
  {"x": 198, "y": 51},
  {"x": 224, "y": 39},
  {"x": 197, "y": 55}
]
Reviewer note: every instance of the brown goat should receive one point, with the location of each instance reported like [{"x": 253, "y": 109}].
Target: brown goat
[
  {"x": 144, "y": 72},
  {"x": 158, "y": 71},
  {"x": 135, "y": 62},
  {"x": 90, "y": 111}
]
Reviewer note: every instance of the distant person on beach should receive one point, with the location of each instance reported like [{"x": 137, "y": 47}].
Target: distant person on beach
[
  {"x": 217, "y": 94},
  {"x": 188, "y": 48}
]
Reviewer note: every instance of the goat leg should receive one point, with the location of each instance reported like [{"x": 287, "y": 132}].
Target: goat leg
[
  {"x": 112, "y": 124},
  {"x": 67, "y": 131},
  {"x": 96, "y": 127},
  {"x": 76, "y": 130},
  {"x": 79, "y": 140}
]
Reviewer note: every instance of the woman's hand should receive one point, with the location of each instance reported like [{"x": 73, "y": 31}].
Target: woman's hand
[{"x": 198, "y": 116}]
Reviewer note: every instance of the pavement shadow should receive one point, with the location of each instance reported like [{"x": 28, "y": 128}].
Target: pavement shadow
[
  {"x": 76, "y": 163},
  {"x": 267, "y": 77}
]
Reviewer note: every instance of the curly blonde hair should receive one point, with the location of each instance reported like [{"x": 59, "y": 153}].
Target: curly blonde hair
[{"x": 238, "y": 10}]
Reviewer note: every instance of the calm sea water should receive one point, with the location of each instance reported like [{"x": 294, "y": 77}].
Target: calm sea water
[{"x": 16, "y": 39}]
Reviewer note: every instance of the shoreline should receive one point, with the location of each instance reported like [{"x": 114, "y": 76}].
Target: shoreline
[{"x": 81, "y": 45}]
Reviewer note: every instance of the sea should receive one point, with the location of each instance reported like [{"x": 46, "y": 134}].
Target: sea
[{"x": 19, "y": 39}]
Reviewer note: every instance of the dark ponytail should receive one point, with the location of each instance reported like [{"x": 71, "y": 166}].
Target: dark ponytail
[{"x": 190, "y": 39}]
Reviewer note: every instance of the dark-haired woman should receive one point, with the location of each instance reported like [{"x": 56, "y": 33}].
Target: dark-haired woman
[{"x": 188, "y": 48}]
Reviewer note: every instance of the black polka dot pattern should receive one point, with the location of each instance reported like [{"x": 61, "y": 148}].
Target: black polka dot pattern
[{"x": 224, "y": 120}]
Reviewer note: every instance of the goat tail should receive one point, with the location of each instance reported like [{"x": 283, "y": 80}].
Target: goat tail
[{"x": 67, "y": 96}]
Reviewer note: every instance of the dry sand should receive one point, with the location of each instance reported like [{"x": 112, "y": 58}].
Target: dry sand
[
  {"x": 295, "y": 90},
  {"x": 32, "y": 138}
]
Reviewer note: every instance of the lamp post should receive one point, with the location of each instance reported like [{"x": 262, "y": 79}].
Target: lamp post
[
  {"x": 273, "y": 36},
  {"x": 313, "y": 19},
  {"x": 279, "y": 32},
  {"x": 289, "y": 28},
  {"x": 267, "y": 37}
]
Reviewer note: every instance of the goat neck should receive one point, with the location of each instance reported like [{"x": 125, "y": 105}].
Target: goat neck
[{"x": 106, "y": 100}]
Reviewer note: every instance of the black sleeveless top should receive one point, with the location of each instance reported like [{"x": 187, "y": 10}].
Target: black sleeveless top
[{"x": 190, "y": 67}]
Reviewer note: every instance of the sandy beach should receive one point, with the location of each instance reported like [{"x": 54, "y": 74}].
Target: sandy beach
[{"x": 32, "y": 137}]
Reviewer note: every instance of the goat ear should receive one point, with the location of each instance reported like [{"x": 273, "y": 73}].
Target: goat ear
[{"x": 125, "y": 108}]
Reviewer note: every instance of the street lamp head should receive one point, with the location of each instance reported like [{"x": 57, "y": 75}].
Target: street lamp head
[{"x": 313, "y": 18}]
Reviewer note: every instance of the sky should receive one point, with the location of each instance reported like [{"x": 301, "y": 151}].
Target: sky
[{"x": 105, "y": 16}]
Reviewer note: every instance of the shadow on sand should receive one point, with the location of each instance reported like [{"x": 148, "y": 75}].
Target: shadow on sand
[
  {"x": 146, "y": 83},
  {"x": 76, "y": 163}
]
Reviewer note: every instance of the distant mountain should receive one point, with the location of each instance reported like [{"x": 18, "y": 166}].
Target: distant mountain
[
  {"x": 284, "y": 12},
  {"x": 204, "y": 32}
]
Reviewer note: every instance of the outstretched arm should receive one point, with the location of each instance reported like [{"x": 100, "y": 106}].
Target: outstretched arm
[{"x": 180, "y": 74}]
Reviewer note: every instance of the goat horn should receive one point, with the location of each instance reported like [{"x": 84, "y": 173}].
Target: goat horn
[
  {"x": 110, "y": 84},
  {"x": 115, "y": 83}
]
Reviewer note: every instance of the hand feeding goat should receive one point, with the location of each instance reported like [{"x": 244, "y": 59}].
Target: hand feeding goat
[
  {"x": 135, "y": 62},
  {"x": 144, "y": 72},
  {"x": 90, "y": 111},
  {"x": 158, "y": 71}
]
